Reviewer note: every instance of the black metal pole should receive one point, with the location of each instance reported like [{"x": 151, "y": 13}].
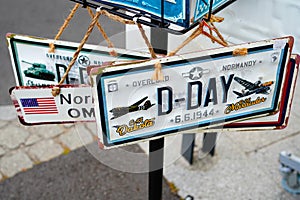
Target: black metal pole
[
  {"x": 156, "y": 160},
  {"x": 188, "y": 144},
  {"x": 187, "y": 147},
  {"x": 159, "y": 41},
  {"x": 209, "y": 143},
  {"x": 210, "y": 9}
]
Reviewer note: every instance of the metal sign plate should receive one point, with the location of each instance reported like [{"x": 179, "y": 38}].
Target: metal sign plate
[
  {"x": 279, "y": 119},
  {"x": 176, "y": 16},
  {"x": 33, "y": 65},
  {"x": 175, "y": 11},
  {"x": 36, "y": 105},
  {"x": 202, "y": 7},
  {"x": 199, "y": 90}
]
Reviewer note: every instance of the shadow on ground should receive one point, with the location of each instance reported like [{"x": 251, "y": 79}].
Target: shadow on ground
[{"x": 78, "y": 175}]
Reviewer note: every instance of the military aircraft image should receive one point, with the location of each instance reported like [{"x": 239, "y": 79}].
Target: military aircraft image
[
  {"x": 252, "y": 88},
  {"x": 120, "y": 111},
  {"x": 38, "y": 71}
]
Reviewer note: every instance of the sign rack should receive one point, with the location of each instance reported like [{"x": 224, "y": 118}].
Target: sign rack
[
  {"x": 150, "y": 20},
  {"x": 160, "y": 26},
  {"x": 116, "y": 11},
  {"x": 156, "y": 147}
]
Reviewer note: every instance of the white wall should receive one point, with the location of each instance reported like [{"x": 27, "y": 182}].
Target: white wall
[{"x": 250, "y": 20}]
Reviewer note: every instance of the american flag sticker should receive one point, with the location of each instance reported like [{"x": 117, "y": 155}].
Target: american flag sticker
[{"x": 37, "y": 106}]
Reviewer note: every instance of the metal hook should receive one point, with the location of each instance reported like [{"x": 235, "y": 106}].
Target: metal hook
[
  {"x": 84, "y": 3},
  {"x": 210, "y": 9}
]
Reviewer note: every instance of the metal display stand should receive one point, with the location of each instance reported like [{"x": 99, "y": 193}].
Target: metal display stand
[
  {"x": 159, "y": 41},
  {"x": 188, "y": 144},
  {"x": 209, "y": 143},
  {"x": 187, "y": 147},
  {"x": 150, "y": 20},
  {"x": 156, "y": 162}
]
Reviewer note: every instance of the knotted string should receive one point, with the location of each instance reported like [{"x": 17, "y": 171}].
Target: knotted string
[
  {"x": 100, "y": 28},
  {"x": 56, "y": 90},
  {"x": 63, "y": 27}
]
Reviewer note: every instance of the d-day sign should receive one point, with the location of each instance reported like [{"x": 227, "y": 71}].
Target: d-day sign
[
  {"x": 199, "y": 90},
  {"x": 279, "y": 119},
  {"x": 35, "y": 68},
  {"x": 33, "y": 65},
  {"x": 36, "y": 105},
  {"x": 274, "y": 120}
]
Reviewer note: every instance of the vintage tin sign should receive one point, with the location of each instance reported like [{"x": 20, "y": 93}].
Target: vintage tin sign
[
  {"x": 203, "y": 6},
  {"x": 279, "y": 119},
  {"x": 33, "y": 65},
  {"x": 199, "y": 90},
  {"x": 36, "y": 105}
]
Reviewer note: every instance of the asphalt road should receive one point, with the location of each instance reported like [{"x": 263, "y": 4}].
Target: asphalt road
[
  {"x": 43, "y": 18},
  {"x": 79, "y": 175}
]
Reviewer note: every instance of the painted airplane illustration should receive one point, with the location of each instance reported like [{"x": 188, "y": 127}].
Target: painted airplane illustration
[
  {"x": 120, "y": 111},
  {"x": 252, "y": 88}
]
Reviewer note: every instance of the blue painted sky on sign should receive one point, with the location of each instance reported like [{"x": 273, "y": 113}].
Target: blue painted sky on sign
[{"x": 202, "y": 7}]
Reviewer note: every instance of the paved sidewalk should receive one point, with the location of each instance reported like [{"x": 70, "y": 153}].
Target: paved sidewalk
[
  {"x": 21, "y": 147},
  {"x": 46, "y": 162},
  {"x": 245, "y": 167},
  {"x": 77, "y": 176}
]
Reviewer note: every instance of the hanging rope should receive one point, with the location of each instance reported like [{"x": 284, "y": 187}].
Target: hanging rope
[
  {"x": 63, "y": 27},
  {"x": 151, "y": 50},
  {"x": 157, "y": 75},
  {"x": 218, "y": 40},
  {"x": 100, "y": 28},
  {"x": 56, "y": 90},
  {"x": 240, "y": 52},
  {"x": 158, "y": 67},
  {"x": 200, "y": 30},
  {"x": 69, "y": 18},
  {"x": 116, "y": 18},
  {"x": 218, "y": 34},
  {"x": 195, "y": 34}
]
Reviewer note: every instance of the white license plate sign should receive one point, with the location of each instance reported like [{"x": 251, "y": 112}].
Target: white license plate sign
[
  {"x": 33, "y": 65},
  {"x": 277, "y": 120},
  {"x": 36, "y": 105},
  {"x": 199, "y": 90},
  {"x": 36, "y": 68}
]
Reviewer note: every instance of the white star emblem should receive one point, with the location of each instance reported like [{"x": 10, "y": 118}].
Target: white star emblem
[{"x": 196, "y": 73}]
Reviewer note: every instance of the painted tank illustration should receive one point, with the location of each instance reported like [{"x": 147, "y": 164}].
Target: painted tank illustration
[{"x": 38, "y": 71}]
